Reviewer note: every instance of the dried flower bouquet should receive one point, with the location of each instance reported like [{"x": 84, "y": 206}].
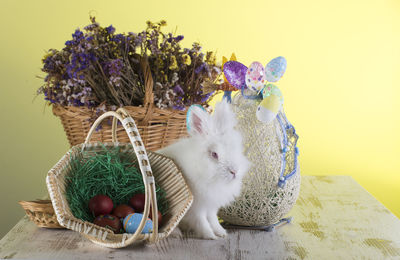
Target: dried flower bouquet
[{"x": 100, "y": 68}]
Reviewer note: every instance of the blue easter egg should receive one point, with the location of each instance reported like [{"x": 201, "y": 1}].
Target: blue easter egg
[
  {"x": 132, "y": 221},
  {"x": 275, "y": 69}
]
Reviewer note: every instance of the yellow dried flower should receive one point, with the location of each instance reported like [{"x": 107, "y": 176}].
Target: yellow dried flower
[
  {"x": 186, "y": 59},
  {"x": 48, "y": 54},
  {"x": 168, "y": 45},
  {"x": 211, "y": 58},
  {"x": 174, "y": 64}
]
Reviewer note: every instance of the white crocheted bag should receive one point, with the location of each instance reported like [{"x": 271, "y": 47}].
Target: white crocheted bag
[{"x": 272, "y": 185}]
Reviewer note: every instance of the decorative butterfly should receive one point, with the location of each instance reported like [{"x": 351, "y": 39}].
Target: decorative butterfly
[{"x": 256, "y": 79}]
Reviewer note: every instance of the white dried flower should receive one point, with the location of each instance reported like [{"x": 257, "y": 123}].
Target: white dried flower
[{"x": 175, "y": 78}]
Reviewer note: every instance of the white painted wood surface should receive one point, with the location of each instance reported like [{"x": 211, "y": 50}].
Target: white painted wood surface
[{"x": 334, "y": 218}]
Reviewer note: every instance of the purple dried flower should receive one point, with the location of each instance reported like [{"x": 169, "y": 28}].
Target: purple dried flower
[
  {"x": 178, "y": 90},
  {"x": 91, "y": 26},
  {"x": 200, "y": 68},
  {"x": 118, "y": 38},
  {"x": 178, "y": 107},
  {"x": 78, "y": 63},
  {"x": 113, "y": 67},
  {"x": 49, "y": 65},
  {"x": 179, "y": 38},
  {"x": 78, "y": 35},
  {"x": 110, "y": 29},
  {"x": 138, "y": 40}
]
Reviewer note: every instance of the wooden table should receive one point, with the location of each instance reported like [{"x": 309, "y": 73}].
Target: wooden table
[{"x": 334, "y": 218}]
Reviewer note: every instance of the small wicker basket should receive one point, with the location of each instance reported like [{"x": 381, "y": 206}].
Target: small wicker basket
[
  {"x": 157, "y": 127},
  {"x": 166, "y": 173},
  {"x": 41, "y": 212}
]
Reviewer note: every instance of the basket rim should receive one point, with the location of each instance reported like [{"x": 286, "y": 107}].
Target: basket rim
[
  {"x": 37, "y": 205},
  {"x": 65, "y": 220},
  {"x": 59, "y": 109}
]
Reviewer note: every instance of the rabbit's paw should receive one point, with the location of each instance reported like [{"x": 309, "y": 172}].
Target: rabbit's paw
[
  {"x": 216, "y": 226},
  {"x": 221, "y": 232},
  {"x": 205, "y": 234}
]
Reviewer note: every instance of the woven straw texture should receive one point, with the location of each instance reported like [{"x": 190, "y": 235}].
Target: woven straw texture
[
  {"x": 157, "y": 127},
  {"x": 41, "y": 212},
  {"x": 163, "y": 171},
  {"x": 262, "y": 202}
]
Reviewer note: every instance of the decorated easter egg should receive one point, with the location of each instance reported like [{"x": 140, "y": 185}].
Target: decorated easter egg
[
  {"x": 235, "y": 73},
  {"x": 255, "y": 76},
  {"x": 132, "y": 221},
  {"x": 272, "y": 89},
  {"x": 122, "y": 211},
  {"x": 275, "y": 69},
  {"x": 138, "y": 201},
  {"x": 268, "y": 108},
  {"x": 100, "y": 205},
  {"x": 109, "y": 221}
]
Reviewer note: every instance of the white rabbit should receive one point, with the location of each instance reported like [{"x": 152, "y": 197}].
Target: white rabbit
[{"x": 213, "y": 164}]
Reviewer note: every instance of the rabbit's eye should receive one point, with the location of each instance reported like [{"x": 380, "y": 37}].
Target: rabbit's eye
[{"x": 214, "y": 155}]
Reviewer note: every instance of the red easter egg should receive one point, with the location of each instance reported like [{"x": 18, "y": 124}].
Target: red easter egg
[
  {"x": 122, "y": 211},
  {"x": 137, "y": 202},
  {"x": 109, "y": 221},
  {"x": 159, "y": 216},
  {"x": 100, "y": 205}
]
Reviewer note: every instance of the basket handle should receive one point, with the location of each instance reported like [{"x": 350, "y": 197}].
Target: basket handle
[
  {"x": 148, "y": 90},
  {"x": 148, "y": 179}
]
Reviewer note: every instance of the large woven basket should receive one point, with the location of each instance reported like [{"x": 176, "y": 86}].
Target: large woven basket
[
  {"x": 157, "y": 127},
  {"x": 272, "y": 185},
  {"x": 166, "y": 174}
]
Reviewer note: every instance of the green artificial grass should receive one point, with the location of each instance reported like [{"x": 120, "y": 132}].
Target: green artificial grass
[{"x": 108, "y": 172}]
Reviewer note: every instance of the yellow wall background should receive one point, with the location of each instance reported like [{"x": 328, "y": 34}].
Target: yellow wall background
[{"x": 341, "y": 88}]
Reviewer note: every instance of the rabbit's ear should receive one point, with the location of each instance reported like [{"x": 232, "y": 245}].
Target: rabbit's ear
[
  {"x": 224, "y": 118},
  {"x": 197, "y": 120}
]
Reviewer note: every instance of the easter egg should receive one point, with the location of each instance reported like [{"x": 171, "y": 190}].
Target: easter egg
[
  {"x": 275, "y": 69},
  {"x": 100, "y": 205},
  {"x": 109, "y": 221},
  {"x": 235, "y": 73},
  {"x": 272, "y": 89},
  {"x": 137, "y": 202},
  {"x": 122, "y": 211},
  {"x": 255, "y": 76},
  {"x": 132, "y": 221},
  {"x": 268, "y": 108},
  {"x": 159, "y": 216}
]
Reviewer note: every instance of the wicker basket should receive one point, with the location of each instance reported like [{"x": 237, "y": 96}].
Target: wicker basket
[
  {"x": 157, "y": 127},
  {"x": 41, "y": 212},
  {"x": 166, "y": 173},
  {"x": 272, "y": 185}
]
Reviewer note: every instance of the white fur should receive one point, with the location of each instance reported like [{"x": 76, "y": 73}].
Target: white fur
[{"x": 211, "y": 180}]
